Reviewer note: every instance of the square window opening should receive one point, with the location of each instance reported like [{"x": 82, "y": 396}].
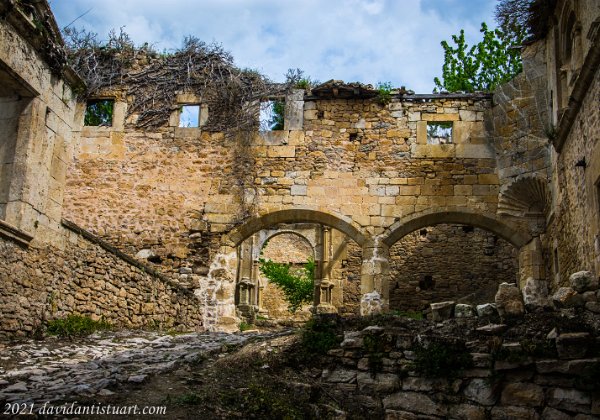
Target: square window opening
[
  {"x": 439, "y": 132},
  {"x": 99, "y": 112},
  {"x": 272, "y": 113},
  {"x": 189, "y": 116}
]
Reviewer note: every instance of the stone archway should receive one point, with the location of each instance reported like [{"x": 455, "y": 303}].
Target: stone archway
[
  {"x": 490, "y": 222},
  {"x": 376, "y": 256},
  {"x": 285, "y": 247},
  {"x": 327, "y": 240},
  {"x": 298, "y": 215}
]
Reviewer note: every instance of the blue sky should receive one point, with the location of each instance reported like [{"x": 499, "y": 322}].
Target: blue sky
[{"x": 369, "y": 41}]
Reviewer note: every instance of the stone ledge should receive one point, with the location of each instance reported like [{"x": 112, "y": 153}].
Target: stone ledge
[
  {"x": 123, "y": 256},
  {"x": 15, "y": 234}
]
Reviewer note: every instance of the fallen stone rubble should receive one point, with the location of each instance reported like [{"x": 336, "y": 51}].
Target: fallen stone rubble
[{"x": 51, "y": 370}]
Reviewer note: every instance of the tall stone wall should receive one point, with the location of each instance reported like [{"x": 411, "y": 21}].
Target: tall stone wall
[
  {"x": 574, "y": 238},
  {"x": 353, "y": 158},
  {"x": 44, "y": 283},
  {"x": 449, "y": 262},
  {"x": 37, "y": 106}
]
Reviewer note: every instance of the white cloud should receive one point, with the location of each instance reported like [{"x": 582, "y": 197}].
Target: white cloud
[{"x": 366, "y": 40}]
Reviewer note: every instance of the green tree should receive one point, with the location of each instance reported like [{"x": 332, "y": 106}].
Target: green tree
[
  {"x": 277, "y": 118},
  {"x": 484, "y": 66},
  {"x": 298, "y": 287},
  {"x": 99, "y": 112}
]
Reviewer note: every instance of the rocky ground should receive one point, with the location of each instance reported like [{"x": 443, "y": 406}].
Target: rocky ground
[
  {"x": 272, "y": 374},
  {"x": 124, "y": 367}
]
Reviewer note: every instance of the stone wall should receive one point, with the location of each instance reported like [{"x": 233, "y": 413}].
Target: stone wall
[
  {"x": 37, "y": 106},
  {"x": 574, "y": 239},
  {"x": 353, "y": 158},
  {"x": 449, "y": 262},
  {"x": 43, "y": 283},
  {"x": 389, "y": 372}
]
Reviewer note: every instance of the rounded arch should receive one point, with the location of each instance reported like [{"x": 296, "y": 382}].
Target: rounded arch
[
  {"x": 297, "y": 215},
  {"x": 277, "y": 232},
  {"x": 491, "y": 223}
]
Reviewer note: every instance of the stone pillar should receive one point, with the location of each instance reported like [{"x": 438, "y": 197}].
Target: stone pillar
[
  {"x": 374, "y": 282},
  {"x": 325, "y": 286},
  {"x": 531, "y": 262}
]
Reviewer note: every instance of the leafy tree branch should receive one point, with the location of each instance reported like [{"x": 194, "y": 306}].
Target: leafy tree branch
[{"x": 298, "y": 287}]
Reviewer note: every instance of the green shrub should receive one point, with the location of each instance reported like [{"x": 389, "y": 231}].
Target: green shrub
[
  {"x": 244, "y": 326},
  {"x": 319, "y": 335},
  {"x": 384, "y": 95},
  {"x": 190, "y": 398},
  {"x": 298, "y": 288},
  {"x": 76, "y": 326}
]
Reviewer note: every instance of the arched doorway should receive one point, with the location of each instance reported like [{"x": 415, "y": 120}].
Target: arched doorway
[
  {"x": 337, "y": 258},
  {"x": 449, "y": 262},
  {"x": 289, "y": 248}
]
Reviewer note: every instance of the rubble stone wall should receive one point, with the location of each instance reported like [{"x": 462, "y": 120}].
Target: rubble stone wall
[
  {"x": 44, "y": 282},
  {"x": 462, "y": 262},
  {"x": 378, "y": 372}
]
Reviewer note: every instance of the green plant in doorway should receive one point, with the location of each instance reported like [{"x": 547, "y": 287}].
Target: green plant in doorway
[{"x": 297, "y": 286}]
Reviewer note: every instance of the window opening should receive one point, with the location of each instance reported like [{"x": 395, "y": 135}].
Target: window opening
[
  {"x": 99, "y": 112},
  {"x": 272, "y": 114},
  {"x": 189, "y": 116},
  {"x": 439, "y": 132}
]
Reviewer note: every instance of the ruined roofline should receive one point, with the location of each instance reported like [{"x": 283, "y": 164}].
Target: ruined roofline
[
  {"x": 35, "y": 22},
  {"x": 478, "y": 96}
]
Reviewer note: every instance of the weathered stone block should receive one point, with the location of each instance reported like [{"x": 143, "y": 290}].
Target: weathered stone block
[
  {"x": 487, "y": 310},
  {"x": 380, "y": 383},
  {"x": 462, "y": 310},
  {"x": 567, "y": 297},
  {"x": 511, "y": 413},
  {"x": 442, "y": 311},
  {"x": 508, "y": 301},
  {"x": 413, "y": 402},
  {"x": 535, "y": 294},
  {"x": 583, "y": 281},
  {"x": 340, "y": 375},
  {"x": 569, "y": 399},
  {"x": 482, "y": 391},
  {"x": 573, "y": 345},
  {"x": 467, "y": 412},
  {"x": 522, "y": 394}
]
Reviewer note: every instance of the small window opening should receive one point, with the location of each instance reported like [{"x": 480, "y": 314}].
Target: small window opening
[
  {"x": 189, "y": 116},
  {"x": 439, "y": 132},
  {"x": 423, "y": 233},
  {"x": 99, "y": 112},
  {"x": 468, "y": 229},
  {"x": 427, "y": 283},
  {"x": 272, "y": 114}
]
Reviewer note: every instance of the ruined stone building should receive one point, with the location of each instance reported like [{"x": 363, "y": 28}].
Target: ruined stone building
[{"x": 422, "y": 198}]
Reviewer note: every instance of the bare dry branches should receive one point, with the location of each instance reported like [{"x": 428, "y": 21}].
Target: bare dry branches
[{"x": 153, "y": 80}]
